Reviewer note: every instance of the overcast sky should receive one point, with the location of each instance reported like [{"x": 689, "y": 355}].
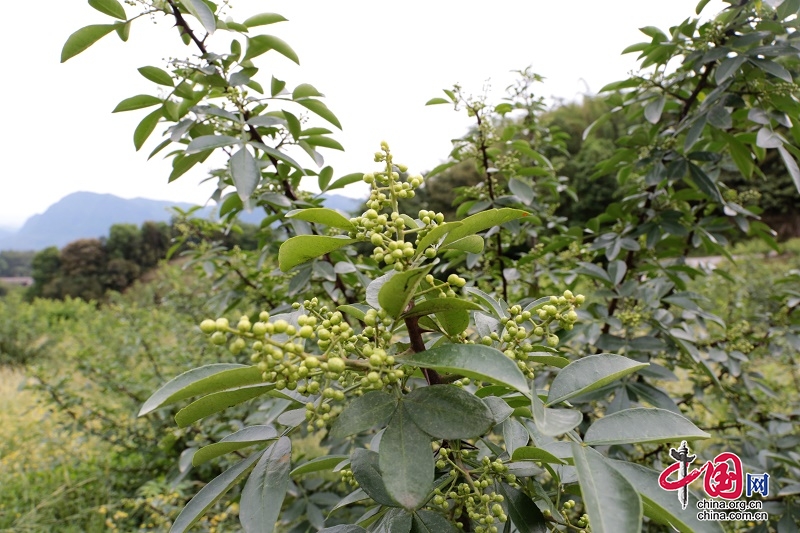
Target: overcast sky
[{"x": 376, "y": 62}]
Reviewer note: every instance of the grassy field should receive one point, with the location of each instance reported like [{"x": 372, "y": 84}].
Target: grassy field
[{"x": 50, "y": 476}]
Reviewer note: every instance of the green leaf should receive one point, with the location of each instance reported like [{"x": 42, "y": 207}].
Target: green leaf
[
  {"x": 484, "y": 220},
  {"x": 398, "y": 290},
  {"x": 277, "y": 154},
  {"x": 145, "y": 128},
  {"x": 346, "y": 180},
  {"x": 245, "y": 172},
  {"x": 325, "y": 142},
  {"x": 771, "y": 67},
  {"x": 84, "y": 38},
  {"x": 112, "y": 8},
  {"x": 393, "y": 521},
  {"x": 437, "y": 305},
  {"x": 263, "y": 43},
  {"x": 435, "y": 235},
  {"x": 471, "y": 243},
  {"x": 440, "y": 168},
  {"x": 211, "y": 493},
  {"x": 531, "y": 453},
  {"x": 741, "y": 155},
  {"x": 700, "y": 5},
  {"x": 322, "y": 215},
  {"x": 547, "y": 359},
  {"x": 201, "y": 12},
  {"x": 499, "y": 408},
  {"x": 653, "y": 33},
  {"x": 305, "y": 90},
  {"x": 430, "y": 522},
  {"x": 472, "y": 360},
  {"x": 276, "y": 86},
  {"x": 613, "y": 504},
  {"x": 302, "y": 248},
  {"x": 436, "y": 101},
  {"x": 235, "y": 441},
  {"x": 553, "y": 422},
  {"x": 364, "y": 464},
  {"x": 163, "y": 144},
  {"x": 319, "y": 108},
  {"x": 638, "y": 47},
  {"x": 515, "y": 435},
  {"x": 218, "y": 401},
  {"x": 719, "y": 117},
  {"x": 359, "y": 312},
  {"x": 318, "y": 464},
  {"x": 324, "y": 178},
  {"x": 791, "y": 166},
  {"x": 660, "y": 505},
  {"x": 123, "y": 30},
  {"x": 728, "y": 68},
  {"x": 588, "y": 374},
  {"x": 157, "y": 75},
  {"x": 210, "y": 142},
  {"x": 622, "y": 84},
  {"x": 654, "y": 109},
  {"x": 705, "y": 183},
  {"x": 766, "y": 138},
  {"x": 183, "y": 163},
  {"x": 453, "y": 322},
  {"x": 139, "y": 101},
  {"x": 448, "y": 412},
  {"x": 343, "y": 528},
  {"x": 203, "y": 380},
  {"x": 521, "y": 190},
  {"x": 263, "y": 19},
  {"x": 642, "y": 425},
  {"x": 265, "y": 489},
  {"x": 406, "y": 453},
  {"x": 372, "y": 409},
  {"x": 522, "y": 511}
]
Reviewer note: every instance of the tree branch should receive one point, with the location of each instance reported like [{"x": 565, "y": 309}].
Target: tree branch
[{"x": 418, "y": 345}]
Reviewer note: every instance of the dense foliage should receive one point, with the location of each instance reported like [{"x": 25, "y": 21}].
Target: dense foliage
[
  {"x": 453, "y": 368},
  {"x": 89, "y": 268},
  {"x": 15, "y": 264}
]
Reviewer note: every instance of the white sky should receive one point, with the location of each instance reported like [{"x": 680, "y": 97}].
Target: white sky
[{"x": 376, "y": 62}]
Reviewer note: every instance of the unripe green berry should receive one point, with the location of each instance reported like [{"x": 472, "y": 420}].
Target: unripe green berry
[
  {"x": 336, "y": 365},
  {"x": 219, "y": 338},
  {"x": 208, "y": 326},
  {"x": 222, "y": 324},
  {"x": 237, "y": 346}
]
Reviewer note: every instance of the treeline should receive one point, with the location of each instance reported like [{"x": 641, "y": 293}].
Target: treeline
[
  {"x": 14, "y": 264},
  {"x": 88, "y": 268}
]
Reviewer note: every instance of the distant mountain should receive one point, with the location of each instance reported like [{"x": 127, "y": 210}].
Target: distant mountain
[{"x": 90, "y": 215}]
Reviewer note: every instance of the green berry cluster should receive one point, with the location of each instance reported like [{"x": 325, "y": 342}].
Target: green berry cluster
[
  {"x": 632, "y": 314},
  {"x": 387, "y": 232},
  {"x": 347, "y": 477},
  {"x": 470, "y": 491},
  {"x": 537, "y": 323},
  {"x": 571, "y": 517}
]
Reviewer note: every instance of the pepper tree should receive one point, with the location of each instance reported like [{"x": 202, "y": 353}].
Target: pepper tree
[{"x": 458, "y": 377}]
